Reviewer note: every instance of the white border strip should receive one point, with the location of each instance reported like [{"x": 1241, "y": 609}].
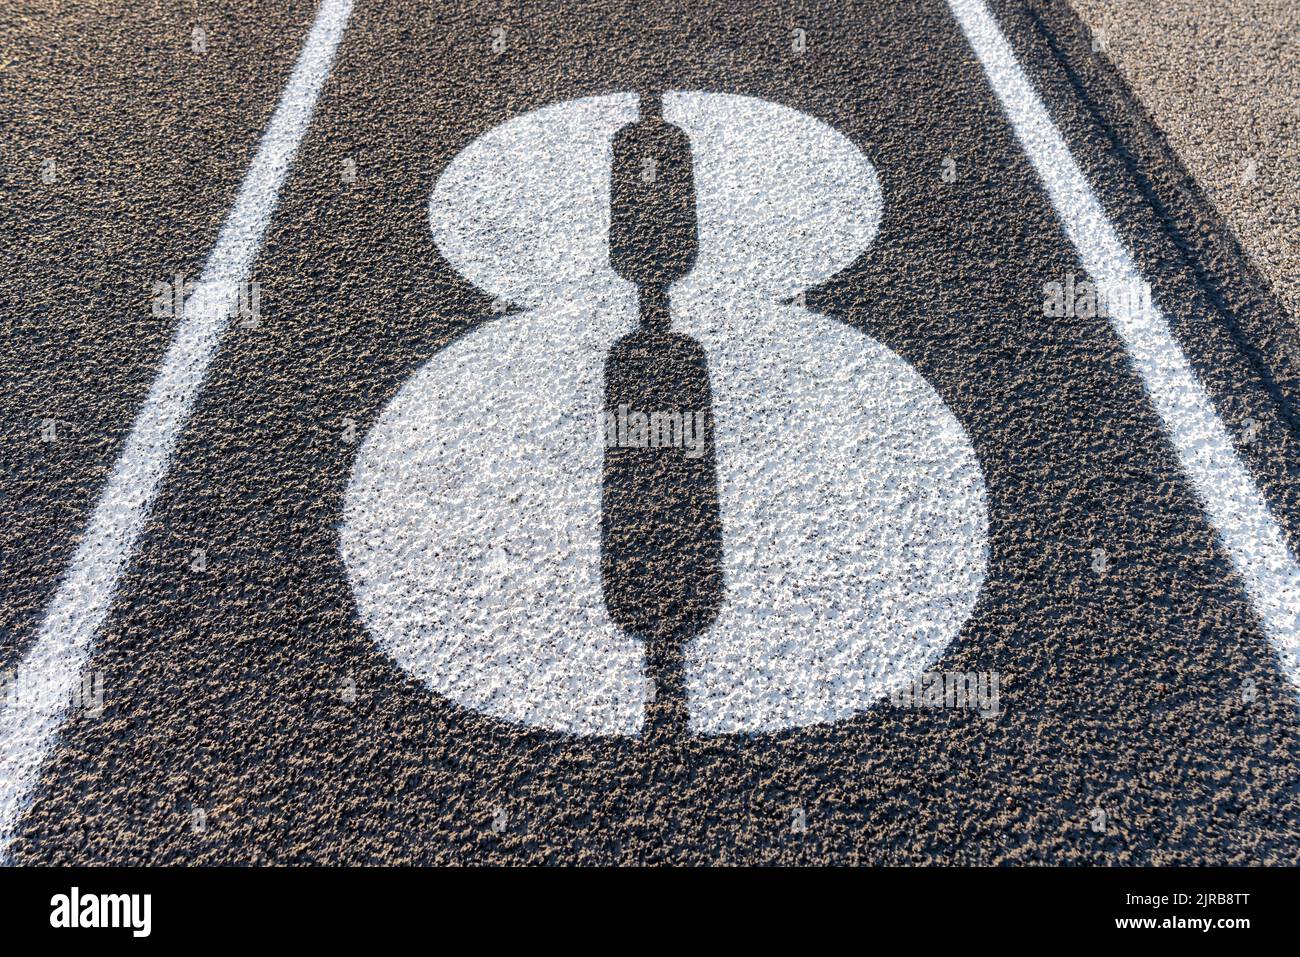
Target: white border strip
[
  {"x": 50, "y": 674},
  {"x": 1254, "y": 542}
]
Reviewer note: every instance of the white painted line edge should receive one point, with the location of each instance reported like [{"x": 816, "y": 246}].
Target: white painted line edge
[
  {"x": 50, "y": 673},
  {"x": 1255, "y": 543}
]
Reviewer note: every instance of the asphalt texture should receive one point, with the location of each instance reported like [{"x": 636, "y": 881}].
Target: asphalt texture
[
  {"x": 149, "y": 141},
  {"x": 1222, "y": 81},
  {"x": 250, "y": 715}
]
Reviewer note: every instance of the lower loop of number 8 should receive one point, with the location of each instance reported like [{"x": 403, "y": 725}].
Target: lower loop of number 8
[{"x": 659, "y": 489}]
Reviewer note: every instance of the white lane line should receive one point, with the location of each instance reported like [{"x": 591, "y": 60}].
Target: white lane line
[
  {"x": 50, "y": 674},
  {"x": 1246, "y": 527}
]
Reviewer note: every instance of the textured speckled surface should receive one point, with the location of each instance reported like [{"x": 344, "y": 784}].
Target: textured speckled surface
[
  {"x": 251, "y": 690},
  {"x": 1222, "y": 81}
]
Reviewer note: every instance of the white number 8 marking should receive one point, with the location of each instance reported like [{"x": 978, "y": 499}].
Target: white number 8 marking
[{"x": 852, "y": 503}]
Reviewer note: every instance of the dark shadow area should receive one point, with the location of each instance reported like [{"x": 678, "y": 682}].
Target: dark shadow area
[
  {"x": 652, "y": 226},
  {"x": 661, "y": 531}
]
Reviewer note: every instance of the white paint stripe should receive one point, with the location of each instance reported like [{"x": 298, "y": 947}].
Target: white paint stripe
[
  {"x": 50, "y": 674},
  {"x": 1247, "y": 529}
]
